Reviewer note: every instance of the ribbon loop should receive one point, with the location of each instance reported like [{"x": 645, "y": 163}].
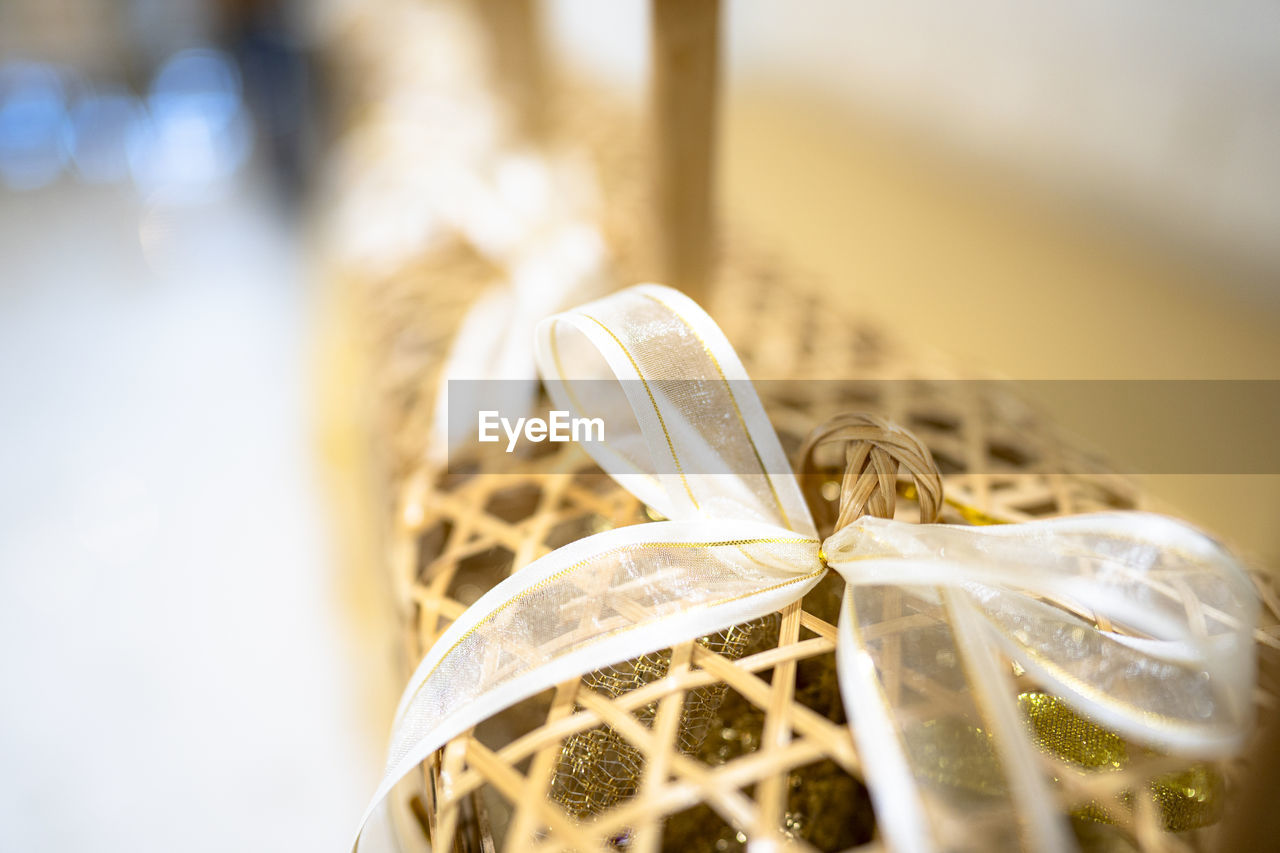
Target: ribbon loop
[
  {"x": 685, "y": 430},
  {"x": 1179, "y": 670}
]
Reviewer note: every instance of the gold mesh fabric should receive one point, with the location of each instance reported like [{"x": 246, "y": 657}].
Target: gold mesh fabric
[
  {"x": 599, "y": 768},
  {"x": 1186, "y": 799}
]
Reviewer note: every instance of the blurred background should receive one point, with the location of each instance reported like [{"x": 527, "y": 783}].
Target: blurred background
[{"x": 1086, "y": 191}]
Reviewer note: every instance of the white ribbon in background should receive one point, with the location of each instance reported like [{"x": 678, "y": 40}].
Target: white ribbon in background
[
  {"x": 697, "y": 447},
  {"x": 429, "y": 165},
  {"x": 528, "y": 221}
]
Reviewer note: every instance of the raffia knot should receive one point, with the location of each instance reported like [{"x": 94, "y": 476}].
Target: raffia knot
[{"x": 875, "y": 450}]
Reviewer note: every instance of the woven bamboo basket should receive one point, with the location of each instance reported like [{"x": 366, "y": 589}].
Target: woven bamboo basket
[
  {"x": 776, "y": 754},
  {"x": 734, "y": 738}
]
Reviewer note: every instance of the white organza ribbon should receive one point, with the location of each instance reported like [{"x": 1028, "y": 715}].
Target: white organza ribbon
[
  {"x": 529, "y": 219},
  {"x": 688, "y": 435}
]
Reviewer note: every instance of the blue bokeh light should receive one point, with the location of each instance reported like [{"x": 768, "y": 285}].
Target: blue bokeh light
[
  {"x": 99, "y": 128},
  {"x": 199, "y": 131},
  {"x": 33, "y": 119}
]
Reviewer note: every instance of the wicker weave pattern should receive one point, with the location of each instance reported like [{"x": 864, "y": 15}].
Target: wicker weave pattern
[{"x": 455, "y": 535}]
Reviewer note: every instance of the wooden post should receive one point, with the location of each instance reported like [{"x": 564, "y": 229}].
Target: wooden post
[
  {"x": 684, "y": 73},
  {"x": 518, "y": 60}
]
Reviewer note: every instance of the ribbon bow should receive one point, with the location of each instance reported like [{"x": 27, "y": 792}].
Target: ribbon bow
[{"x": 687, "y": 434}]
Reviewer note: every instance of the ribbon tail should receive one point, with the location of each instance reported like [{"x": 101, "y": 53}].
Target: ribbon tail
[
  {"x": 938, "y": 734},
  {"x": 595, "y": 602},
  {"x": 1041, "y": 825}
]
